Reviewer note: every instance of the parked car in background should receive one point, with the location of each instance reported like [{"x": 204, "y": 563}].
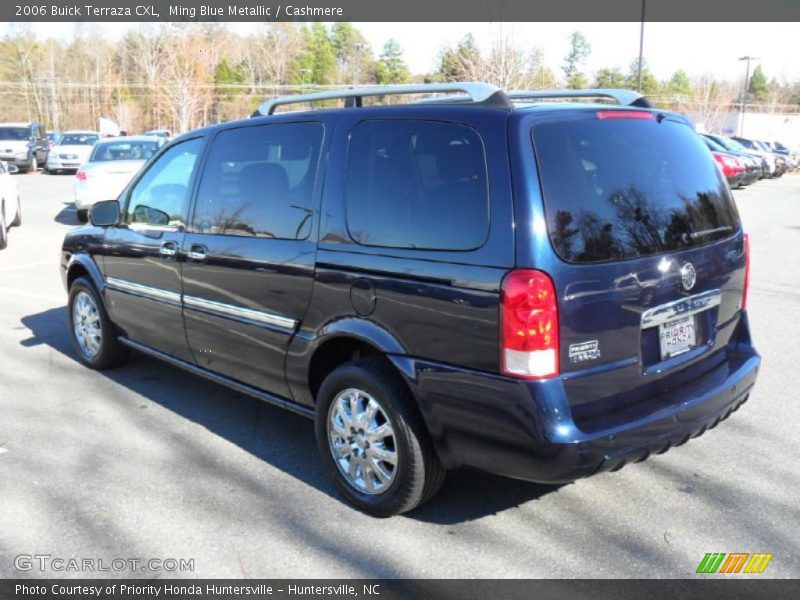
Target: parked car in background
[
  {"x": 733, "y": 168},
  {"x": 731, "y": 145},
  {"x": 54, "y": 137},
  {"x": 111, "y": 165},
  {"x": 752, "y": 163},
  {"x": 792, "y": 152},
  {"x": 544, "y": 290},
  {"x": 24, "y": 145},
  {"x": 71, "y": 151},
  {"x": 776, "y": 162},
  {"x": 10, "y": 208},
  {"x": 781, "y": 150}
]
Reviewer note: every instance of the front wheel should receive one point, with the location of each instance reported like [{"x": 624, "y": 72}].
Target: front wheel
[
  {"x": 92, "y": 333},
  {"x": 373, "y": 441},
  {"x": 18, "y": 219},
  {"x": 3, "y": 228},
  {"x": 83, "y": 215}
]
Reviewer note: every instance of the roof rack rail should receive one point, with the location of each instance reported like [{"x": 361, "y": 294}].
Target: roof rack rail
[
  {"x": 622, "y": 97},
  {"x": 478, "y": 93}
]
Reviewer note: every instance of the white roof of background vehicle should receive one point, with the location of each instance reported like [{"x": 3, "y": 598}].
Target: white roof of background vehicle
[
  {"x": 78, "y": 131},
  {"x": 19, "y": 124}
]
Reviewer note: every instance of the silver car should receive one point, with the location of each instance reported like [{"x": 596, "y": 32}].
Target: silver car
[
  {"x": 111, "y": 165},
  {"x": 71, "y": 151}
]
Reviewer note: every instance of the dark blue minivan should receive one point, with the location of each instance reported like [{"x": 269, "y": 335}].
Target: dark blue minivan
[{"x": 541, "y": 289}]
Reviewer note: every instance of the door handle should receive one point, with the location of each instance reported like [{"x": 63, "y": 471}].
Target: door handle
[
  {"x": 168, "y": 249},
  {"x": 197, "y": 253}
]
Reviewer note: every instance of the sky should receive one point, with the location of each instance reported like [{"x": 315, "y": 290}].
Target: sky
[{"x": 698, "y": 48}]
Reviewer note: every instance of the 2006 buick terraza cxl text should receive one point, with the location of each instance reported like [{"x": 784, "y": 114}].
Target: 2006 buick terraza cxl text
[{"x": 544, "y": 290}]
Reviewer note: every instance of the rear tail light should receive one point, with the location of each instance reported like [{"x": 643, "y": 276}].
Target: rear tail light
[
  {"x": 746, "y": 287},
  {"x": 624, "y": 114},
  {"x": 528, "y": 325},
  {"x": 81, "y": 176},
  {"x": 730, "y": 165}
]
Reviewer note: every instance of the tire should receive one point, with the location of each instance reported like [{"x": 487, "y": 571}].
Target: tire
[
  {"x": 83, "y": 215},
  {"x": 3, "y": 228},
  {"x": 98, "y": 347},
  {"x": 18, "y": 219},
  {"x": 416, "y": 475}
]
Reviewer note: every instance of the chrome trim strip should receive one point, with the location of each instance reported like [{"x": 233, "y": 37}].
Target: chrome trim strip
[
  {"x": 238, "y": 312},
  {"x": 145, "y": 291},
  {"x": 681, "y": 308},
  {"x": 216, "y": 308}
]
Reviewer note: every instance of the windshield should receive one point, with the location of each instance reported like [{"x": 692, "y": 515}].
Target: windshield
[
  {"x": 733, "y": 145},
  {"x": 78, "y": 139},
  {"x": 714, "y": 145},
  {"x": 616, "y": 188},
  {"x": 106, "y": 151},
  {"x": 15, "y": 133}
]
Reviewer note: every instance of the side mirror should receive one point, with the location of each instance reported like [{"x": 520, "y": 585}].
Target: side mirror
[
  {"x": 12, "y": 169},
  {"x": 104, "y": 214}
]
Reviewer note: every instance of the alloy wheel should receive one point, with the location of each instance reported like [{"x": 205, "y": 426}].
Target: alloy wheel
[
  {"x": 86, "y": 325},
  {"x": 362, "y": 441}
]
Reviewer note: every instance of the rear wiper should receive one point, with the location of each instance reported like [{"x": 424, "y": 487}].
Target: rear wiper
[{"x": 704, "y": 232}]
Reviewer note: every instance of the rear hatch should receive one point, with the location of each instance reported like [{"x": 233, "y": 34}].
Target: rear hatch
[
  {"x": 108, "y": 178},
  {"x": 650, "y": 257}
]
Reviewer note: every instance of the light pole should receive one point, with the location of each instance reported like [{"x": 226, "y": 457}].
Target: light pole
[
  {"x": 744, "y": 92},
  {"x": 641, "y": 49},
  {"x": 358, "y": 46}
]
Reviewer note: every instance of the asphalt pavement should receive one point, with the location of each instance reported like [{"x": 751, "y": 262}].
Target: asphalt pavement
[{"x": 148, "y": 462}]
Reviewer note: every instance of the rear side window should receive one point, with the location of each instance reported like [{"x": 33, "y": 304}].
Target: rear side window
[
  {"x": 623, "y": 188},
  {"x": 259, "y": 181},
  {"x": 417, "y": 184}
]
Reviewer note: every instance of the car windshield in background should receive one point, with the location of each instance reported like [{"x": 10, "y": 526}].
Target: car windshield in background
[
  {"x": 76, "y": 139},
  {"x": 123, "y": 151},
  {"x": 734, "y": 145},
  {"x": 714, "y": 145},
  {"x": 616, "y": 189},
  {"x": 14, "y": 133}
]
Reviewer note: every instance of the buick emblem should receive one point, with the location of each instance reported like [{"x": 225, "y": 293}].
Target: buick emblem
[{"x": 688, "y": 276}]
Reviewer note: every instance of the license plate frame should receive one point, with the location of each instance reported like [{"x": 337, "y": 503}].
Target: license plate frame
[{"x": 677, "y": 336}]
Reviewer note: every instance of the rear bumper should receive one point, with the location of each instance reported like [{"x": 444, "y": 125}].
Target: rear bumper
[
  {"x": 62, "y": 165},
  {"x": 526, "y": 429},
  {"x": 22, "y": 163}
]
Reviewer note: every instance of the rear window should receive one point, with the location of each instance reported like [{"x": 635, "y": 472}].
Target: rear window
[
  {"x": 123, "y": 151},
  {"x": 417, "y": 185},
  {"x": 78, "y": 139},
  {"x": 616, "y": 189}
]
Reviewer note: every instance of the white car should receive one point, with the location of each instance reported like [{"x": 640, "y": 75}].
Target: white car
[
  {"x": 71, "y": 151},
  {"x": 10, "y": 210},
  {"x": 111, "y": 165}
]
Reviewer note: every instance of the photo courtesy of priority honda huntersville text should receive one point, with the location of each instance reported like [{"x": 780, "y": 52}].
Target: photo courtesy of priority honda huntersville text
[{"x": 471, "y": 277}]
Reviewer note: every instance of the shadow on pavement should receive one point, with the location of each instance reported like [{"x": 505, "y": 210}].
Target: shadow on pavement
[{"x": 283, "y": 439}]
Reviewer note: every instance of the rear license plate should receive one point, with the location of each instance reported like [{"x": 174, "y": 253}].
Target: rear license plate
[{"x": 676, "y": 336}]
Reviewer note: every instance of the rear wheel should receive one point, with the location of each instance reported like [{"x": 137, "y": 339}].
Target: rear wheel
[
  {"x": 373, "y": 441},
  {"x": 92, "y": 333}
]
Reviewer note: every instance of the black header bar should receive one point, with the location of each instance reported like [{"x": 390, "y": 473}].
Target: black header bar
[{"x": 399, "y": 10}]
